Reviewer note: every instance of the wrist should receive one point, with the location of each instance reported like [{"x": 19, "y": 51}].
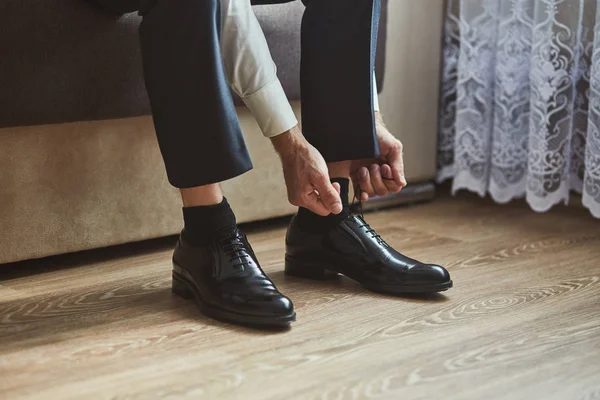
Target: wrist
[
  {"x": 379, "y": 119},
  {"x": 288, "y": 141}
]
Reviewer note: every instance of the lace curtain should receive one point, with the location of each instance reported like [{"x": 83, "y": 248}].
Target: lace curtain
[{"x": 520, "y": 102}]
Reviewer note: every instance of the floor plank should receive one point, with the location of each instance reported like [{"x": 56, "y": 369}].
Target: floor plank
[{"x": 522, "y": 322}]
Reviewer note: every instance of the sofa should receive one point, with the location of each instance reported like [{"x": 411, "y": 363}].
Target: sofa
[{"x": 79, "y": 163}]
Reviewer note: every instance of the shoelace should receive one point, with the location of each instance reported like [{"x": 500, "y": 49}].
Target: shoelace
[
  {"x": 369, "y": 230},
  {"x": 235, "y": 248}
]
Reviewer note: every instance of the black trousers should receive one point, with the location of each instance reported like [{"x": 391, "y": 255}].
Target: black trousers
[{"x": 196, "y": 123}]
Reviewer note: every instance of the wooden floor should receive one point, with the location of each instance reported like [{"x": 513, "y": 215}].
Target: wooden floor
[{"x": 522, "y": 322}]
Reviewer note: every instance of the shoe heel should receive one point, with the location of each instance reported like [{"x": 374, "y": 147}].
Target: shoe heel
[
  {"x": 304, "y": 270},
  {"x": 179, "y": 288}
]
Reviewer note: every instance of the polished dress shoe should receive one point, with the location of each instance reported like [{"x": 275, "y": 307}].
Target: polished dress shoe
[
  {"x": 227, "y": 283},
  {"x": 352, "y": 248}
]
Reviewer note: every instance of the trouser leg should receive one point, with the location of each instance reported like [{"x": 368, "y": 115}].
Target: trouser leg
[
  {"x": 195, "y": 119},
  {"x": 339, "y": 39}
]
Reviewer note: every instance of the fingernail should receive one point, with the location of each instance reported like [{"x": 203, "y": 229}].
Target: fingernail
[
  {"x": 363, "y": 172},
  {"x": 374, "y": 167}
]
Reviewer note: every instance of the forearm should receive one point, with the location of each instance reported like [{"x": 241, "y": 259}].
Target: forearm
[
  {"x": 289, "y": 141},
  {"x": 379, "y": 119}
]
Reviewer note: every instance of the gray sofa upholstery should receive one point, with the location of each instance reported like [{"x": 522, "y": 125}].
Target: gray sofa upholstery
[{"x": 67, "y": 60}]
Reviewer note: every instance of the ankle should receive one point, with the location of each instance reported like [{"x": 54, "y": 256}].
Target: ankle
[
  {"x": 308, "y": 221},
  {"x": 207, "y": 195},
  {"x": 339, "y": 169},
  {"x": 204, "y": 223}
]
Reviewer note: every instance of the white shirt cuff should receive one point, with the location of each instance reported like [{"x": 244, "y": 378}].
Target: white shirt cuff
[{"x": 271, "y": 108}]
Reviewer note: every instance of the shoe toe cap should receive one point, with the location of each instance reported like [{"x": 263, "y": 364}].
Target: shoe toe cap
[
  {"x": 430, "y": 274},
  {"x": 276, "y": 305}
]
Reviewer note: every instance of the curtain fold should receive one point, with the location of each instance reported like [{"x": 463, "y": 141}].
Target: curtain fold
[{"x": 520, "y": 101}]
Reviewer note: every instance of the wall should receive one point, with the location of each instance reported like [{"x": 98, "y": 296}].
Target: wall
[{"x": 409, "y": 101}]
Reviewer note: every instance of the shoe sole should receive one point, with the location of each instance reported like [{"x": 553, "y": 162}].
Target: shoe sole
[
  {"x": 185, "y": 289},
  {"x": 300, "y": 269}
]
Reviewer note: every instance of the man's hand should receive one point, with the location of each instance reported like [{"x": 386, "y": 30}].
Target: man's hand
[
  {"x": 306, "y": 174},
  {"x": 382, "y": 175}
]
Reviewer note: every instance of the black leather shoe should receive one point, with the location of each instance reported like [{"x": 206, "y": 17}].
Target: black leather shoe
[
  {"x": 227, "y": 283},
  {"x": 354, "y": 249}
]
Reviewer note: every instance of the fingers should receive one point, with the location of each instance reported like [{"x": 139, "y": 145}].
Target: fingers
[
  {"x": 386, "y": 172},
  {"x": 322, "y": 198},
  {"x": 364, "y": 196},
  {"x": 337, "y": 188},
  {"x": 396, "y": 162},
  {"x": 329, "y": 195},
  {"x": 324, "y": 206},
  {"x": 376, "y": 181},
  {"x": 372, "y": 183},
  {"x": 314, "y": 204},
  {"x": 388, "y": 179},
  {"x": 364, "y": 181}
]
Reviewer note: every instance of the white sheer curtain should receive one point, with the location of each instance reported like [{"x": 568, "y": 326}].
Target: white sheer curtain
[{"x": 520, "y": 103}]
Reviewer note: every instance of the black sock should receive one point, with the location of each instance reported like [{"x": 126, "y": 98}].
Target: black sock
[
  {"x": 311, "y": 222},
  {"x": 203, "y": 223}
]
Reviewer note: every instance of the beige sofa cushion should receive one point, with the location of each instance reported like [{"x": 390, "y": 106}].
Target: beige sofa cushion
[{"x": 82, "y": 185}]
